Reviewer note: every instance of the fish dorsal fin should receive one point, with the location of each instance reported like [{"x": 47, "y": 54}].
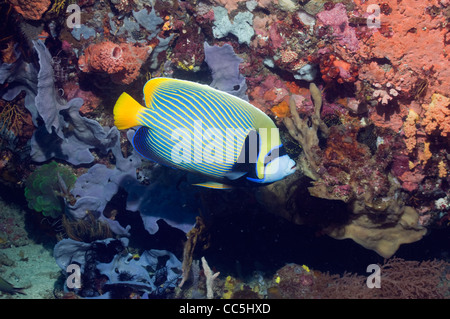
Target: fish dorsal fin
[{"x": 150, "y": 87}]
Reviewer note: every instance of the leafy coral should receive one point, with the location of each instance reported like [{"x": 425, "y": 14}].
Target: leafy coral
[{"x": 45, "y": 188}]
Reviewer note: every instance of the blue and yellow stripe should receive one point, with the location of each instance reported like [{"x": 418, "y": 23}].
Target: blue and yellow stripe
[{"x": 173, "y": 104}]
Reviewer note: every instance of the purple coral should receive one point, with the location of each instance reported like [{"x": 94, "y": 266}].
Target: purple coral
[{"x": 338, "y": 19}]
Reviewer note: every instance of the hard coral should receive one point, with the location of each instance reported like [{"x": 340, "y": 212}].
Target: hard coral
[
  {"x": 386, "y": 94},
  {"x": 121, "y": 61},
  {"x": 31, "y": 9}
]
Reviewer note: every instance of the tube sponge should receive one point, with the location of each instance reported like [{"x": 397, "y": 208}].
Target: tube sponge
[{"x": 45, "y": 188}]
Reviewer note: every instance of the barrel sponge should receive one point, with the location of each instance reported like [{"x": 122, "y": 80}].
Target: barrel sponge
[{"x": 44, "y": 188}]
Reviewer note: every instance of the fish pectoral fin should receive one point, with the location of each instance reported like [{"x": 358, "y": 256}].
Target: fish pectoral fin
[
  {"x": 234, "y": 175},
  {"x": 214, "y": 185}
]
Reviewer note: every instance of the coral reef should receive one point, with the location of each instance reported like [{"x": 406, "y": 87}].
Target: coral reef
[{"x": 361, "y": 102}]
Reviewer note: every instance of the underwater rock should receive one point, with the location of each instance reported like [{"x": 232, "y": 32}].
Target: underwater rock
[
  {"x": 31, "y": 9},
  {"x": 406, "y": 34},
  {"x": 189, "y": 53},
  {"x": 154, "y": 272},
  {"x": 147, "y": 274}
]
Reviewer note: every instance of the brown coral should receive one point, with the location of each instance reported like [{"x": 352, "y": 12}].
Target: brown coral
[{"x": 31, "y": 9}]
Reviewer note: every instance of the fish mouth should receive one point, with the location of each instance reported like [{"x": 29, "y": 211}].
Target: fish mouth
[{"x": 293, "y": 167}]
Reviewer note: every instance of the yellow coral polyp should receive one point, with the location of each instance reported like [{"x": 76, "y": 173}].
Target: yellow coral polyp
[
  {"x": 409, "y": 127},
  {"x": 185, "y": 66},
  {"x": 230, "y": 284},
  {"x": 306, "y": 268},
  {"x": 168, "y": 24},
  {"x": 442, "y": 169},
  {"x": 58, "y": 6},
  {"x": 425, "y": 155}
]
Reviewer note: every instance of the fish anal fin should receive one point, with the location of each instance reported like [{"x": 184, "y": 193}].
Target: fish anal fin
[{"x": 214, "y": 185}]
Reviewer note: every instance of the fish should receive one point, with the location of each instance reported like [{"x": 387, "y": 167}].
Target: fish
[
  {"x": 9, "y": 288},
  {"x": 197, "y": 128}
]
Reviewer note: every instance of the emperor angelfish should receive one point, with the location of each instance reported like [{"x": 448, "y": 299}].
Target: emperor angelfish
[{"x": 197, "y": 128}]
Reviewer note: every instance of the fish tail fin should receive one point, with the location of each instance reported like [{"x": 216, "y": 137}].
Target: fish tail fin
[
  {"x": 19, "y": 291},
  {"x": 126, "y": 112}
]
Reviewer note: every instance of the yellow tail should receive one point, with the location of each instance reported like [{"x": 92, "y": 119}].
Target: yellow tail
[{"x": 126, "y": 112}]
